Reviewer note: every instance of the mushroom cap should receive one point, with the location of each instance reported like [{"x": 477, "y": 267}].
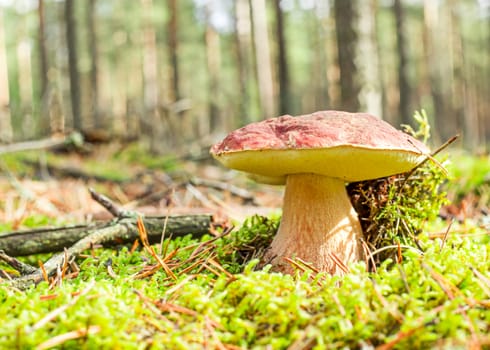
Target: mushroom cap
[{"x": 348, "y": 146}]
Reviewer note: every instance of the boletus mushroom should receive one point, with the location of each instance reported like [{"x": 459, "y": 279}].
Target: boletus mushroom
[{"x": 314, "y": 155}]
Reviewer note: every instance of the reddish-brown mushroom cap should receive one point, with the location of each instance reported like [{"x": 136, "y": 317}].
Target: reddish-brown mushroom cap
[
  {"x": 348, "y": 146},
  {"x": 314, "y": 155}
]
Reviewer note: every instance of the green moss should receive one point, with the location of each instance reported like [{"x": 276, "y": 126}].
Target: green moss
[
  {"x": 137, "y": 153},
  {"x": 423, "y": 302},
  {"x": 247, "y": 243},
  {"x": 470, "y": 174},
  {"x": 14, "y": 162},
  {"x": 394, "y": 210},
  {"x": 411, "y": 203},
  {"x": 438, "y": 298}
]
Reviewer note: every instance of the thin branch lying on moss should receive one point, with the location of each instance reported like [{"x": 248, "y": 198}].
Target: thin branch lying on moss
[
  {"x": 19, "y": 266},
  {"x": 124, "y": 230},
  {"x": 74, "y": 139},
  {"x": 49, "y": 240}
]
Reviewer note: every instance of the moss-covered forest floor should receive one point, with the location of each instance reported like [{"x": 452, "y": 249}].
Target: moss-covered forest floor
[{"x": 215, "y": 297}]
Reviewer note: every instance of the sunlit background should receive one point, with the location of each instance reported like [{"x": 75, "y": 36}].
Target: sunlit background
[{"x": 180, "y": 73}]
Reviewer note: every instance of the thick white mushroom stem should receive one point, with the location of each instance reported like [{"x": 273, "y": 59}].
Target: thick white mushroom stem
[{"x": 318, "y": 222}]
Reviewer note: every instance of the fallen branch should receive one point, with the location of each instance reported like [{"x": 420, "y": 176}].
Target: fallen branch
[
  {"x": 126, "y": 228},
  {"x": 70, "y": 172},
  {"x": 74, "y": 139},
  {"x": 106, "y": 203},
  {"x": 49, "y": 240},
  {"x": 247, "y": 196},
  {"x": 123, "y": 230},
  {"x": 18, "y": 265}
]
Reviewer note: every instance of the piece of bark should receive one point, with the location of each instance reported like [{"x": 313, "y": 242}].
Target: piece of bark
[{"x": 56, "y": 239}]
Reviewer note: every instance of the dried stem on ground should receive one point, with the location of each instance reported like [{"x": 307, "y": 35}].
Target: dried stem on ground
[
  {"x": 49, "y": 240},
  {"x": 51, "y": 143},
  {"x": 126, "y": 228}
]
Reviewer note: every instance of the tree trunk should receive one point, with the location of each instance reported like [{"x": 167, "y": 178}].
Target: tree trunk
[
  {"x": 213, "y": 61},
  {"x": 94, "y": 87},
  {"x": 150, "y": 78},
  {"x": 172, "y": 30},
  {"x": 25, "y": 84},
  {"x": 319, "y": 42},
  {"x": 150, "y": 67},
  {"x": 242, "y": 50},
  {"x": 263, "y": 58},
  {"x": 282, "y": 62},
  {"x": 71, "y": 41},
  {"x": 402, "y": 51},
  {"x": 371, "y": 92},
  {"x": 433, "y": 62},
  {"x": 345, "y": 26},
  {"x": 484, "y": 105},
  {"x": 6, "y": 134},
  {"x": 332, "y": 61},
  {"x": 43, "y": 72},
  {"x": 463, "y": 101}
]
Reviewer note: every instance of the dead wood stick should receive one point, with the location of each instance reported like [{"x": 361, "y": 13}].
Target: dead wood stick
[
  {"x": 106, "y": 203},
  {"x": 49, "y": 143},
  {"x": 223, "y": 186},
  {"x": 22, "y": 268},
  {"x": 71, "y": 172},
  {"x": 51, "y": 240},
  {"x": 124, "y": 230},
  {"x": 157, "y": 195}
]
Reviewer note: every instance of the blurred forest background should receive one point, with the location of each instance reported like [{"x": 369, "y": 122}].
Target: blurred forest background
[{"x": 180, "y": 74}]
